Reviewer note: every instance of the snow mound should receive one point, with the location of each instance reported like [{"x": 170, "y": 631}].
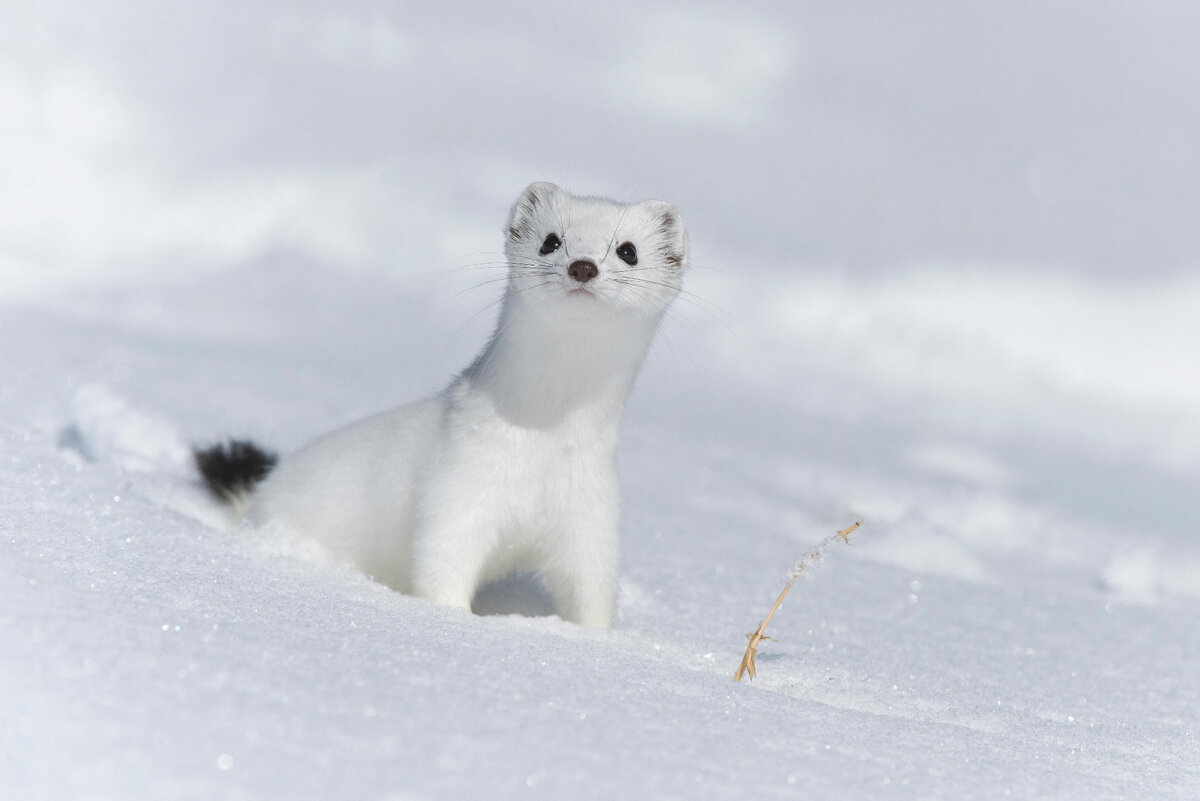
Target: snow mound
[
  {"x": 1142, "y": 576},
  {"x": 106, "y": 427}
]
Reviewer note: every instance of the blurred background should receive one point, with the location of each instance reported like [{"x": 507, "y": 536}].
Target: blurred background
[
  {"x": 839, "y": 138},
  {"x": 951, "y": 240}
]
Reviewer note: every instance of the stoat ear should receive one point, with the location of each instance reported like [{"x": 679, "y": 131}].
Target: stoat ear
[
  {"x": 669, "y": 226},
  {"x": 536, "y": 196}
]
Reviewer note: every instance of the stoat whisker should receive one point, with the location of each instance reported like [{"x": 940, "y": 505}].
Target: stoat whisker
[
  {"x": 613, "y": 237},
  {"x": 494, "y": 265},
  {"x": 672, "y": 311},
  {"x": 488, "y": 281},
  {"x": 691, "y": 297}
]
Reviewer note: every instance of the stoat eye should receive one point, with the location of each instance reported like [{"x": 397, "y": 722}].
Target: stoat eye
[
  {"x": 550, "y": 244},
  {"x": 627, "y": 253}
]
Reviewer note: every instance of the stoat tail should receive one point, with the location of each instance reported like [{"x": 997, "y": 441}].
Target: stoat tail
[{"x": 233, "y": 469}]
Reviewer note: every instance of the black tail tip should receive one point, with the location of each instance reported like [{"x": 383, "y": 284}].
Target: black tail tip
[{"x": 233, "y": 468}]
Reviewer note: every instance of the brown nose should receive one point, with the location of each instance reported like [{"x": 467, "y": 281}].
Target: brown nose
[{"x": 583, "y": 270}]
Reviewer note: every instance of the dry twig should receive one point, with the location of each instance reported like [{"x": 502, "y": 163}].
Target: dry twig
[{"x": 802, "y": 564}]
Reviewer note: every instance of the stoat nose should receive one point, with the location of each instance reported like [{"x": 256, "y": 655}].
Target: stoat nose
[{"x": 583, "y": 270}]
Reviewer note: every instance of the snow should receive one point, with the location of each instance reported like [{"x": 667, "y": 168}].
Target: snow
[{"x": 944, "y": 282}]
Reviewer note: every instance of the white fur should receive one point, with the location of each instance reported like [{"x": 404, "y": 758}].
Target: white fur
[{"x": 512, "y": 467}]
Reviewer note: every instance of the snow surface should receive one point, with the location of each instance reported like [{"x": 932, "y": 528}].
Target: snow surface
[{"x": 944, "y": 282}]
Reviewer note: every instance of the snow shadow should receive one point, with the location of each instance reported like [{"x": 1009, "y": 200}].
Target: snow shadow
[{"x": 521, "y": 594}]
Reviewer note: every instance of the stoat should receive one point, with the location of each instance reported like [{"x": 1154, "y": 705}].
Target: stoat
[{"x": 511, "y": 467}]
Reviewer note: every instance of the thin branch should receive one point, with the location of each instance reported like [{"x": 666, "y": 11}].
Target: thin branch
[{"x": 802, "y": 564}]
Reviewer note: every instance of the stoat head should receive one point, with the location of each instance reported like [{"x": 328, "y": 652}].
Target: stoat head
[{"x": 588, "y": 254}]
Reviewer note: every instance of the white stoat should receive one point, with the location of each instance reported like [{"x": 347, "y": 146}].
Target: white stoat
[{"x": 512, "y": 467}]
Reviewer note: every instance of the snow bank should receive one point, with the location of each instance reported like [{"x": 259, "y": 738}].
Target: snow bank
[{"x": 968, "y": 642}]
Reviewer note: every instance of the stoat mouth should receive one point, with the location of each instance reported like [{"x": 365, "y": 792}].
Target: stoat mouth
[{"x": 582, "y": 291}]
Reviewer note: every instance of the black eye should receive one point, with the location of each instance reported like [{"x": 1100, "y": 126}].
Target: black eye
[
  {"x": 627, "y": 253},
  {"x": 551, "y": 244}
]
